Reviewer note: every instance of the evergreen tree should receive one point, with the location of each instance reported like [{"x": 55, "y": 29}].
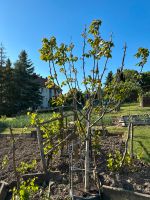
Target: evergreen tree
[
  {"x": 2, "y": 56},
  {"x": 145, "y": 82},
  {"x": 1, "y": 91},
  {"x": 28, "y": 94},
  {"x": 2, "y": 65},
  {"x": 9, "y": 89},
  {"x": 109, "y": 78},
  {"x": 131, "y": 75},
  {"x": 120, "y": 76}
]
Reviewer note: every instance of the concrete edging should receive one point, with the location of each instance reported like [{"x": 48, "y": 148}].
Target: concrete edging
[
  {"x": 109, "y": 193},
  {"x": 112, "y": 193}
]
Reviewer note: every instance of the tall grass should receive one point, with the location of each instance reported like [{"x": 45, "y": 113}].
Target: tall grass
[
  {"x": 106, "y": 121},
  {"x": 22, "y": 120},
  {"x": 15, "y": 122}
]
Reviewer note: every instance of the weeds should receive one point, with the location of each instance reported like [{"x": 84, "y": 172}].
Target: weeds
[{"x": 114, "y": 161}]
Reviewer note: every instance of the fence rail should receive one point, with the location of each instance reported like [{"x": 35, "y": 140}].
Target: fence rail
[{"x": 55, "y": 119}]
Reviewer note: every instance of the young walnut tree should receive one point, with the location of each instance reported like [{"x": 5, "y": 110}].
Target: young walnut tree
[{"x": 96, "y": 53}]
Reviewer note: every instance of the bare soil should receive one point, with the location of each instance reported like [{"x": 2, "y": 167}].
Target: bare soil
[
  {"x": 135, "y": 177},
  {"x": 26, "y": 151}
]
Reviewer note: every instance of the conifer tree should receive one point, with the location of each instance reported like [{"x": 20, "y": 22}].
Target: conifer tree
[
  {"x": 109, "y": 78},
  {"x": 2, "y": 56},
  {"x": 28, "y": 94},
  {"x": 2, "y": 64},
  {"x": 9, "y": 89}
]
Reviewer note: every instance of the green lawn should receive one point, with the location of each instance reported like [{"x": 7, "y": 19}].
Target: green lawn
[
  {"x": 131, "y": 109},
  {"x": 18, "y": 123},
  {"x": 141, "y": 139},
  {"x": 17, "y": 130},
  {"x": 126, "y": 109},
  {"x": 21, "y": 122}
]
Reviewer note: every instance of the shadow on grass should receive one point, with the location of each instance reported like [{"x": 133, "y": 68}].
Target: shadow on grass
[
  {"x": 145, "y": 150},
  {"x": 3, "y": 126},
  {"x": 141, "y": 137}
]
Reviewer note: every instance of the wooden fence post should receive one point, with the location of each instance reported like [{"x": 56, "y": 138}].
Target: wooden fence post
[
  {"x": 126, "y": 145},
  {"x": 61, "y": 122},
  {"x": 131, "y": 142},
  {"x": 14, "y": 158},
  {"x": 40, "y": 143}
]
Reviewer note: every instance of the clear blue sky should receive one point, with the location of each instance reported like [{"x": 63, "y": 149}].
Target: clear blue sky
[{"x": 23, "y": 24}]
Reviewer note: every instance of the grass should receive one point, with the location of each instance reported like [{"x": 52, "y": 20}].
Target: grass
[
  {"x": 17, "y": 130},
  {"x": 15, "y": 122},
  {"x": 141, "y": 139},
  {"x": 142, "y": 142},
  {"x": 131, "y": 109},
  {"x": 20, "y": 122},
  {"x": 116, "y": 129},
  {"x": 126, "y": 109},
  {"x": 24, "y": 120}
]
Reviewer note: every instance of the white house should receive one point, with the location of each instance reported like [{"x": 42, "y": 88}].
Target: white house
[{"x": 47, "y": 93}]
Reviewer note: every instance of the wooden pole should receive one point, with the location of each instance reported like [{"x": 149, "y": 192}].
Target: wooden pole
[
  {"x": 126, "y": 145},
  {"x": 87, "y": 156},
  {"x": 40, "y": 143},
  {"x": 131, "y": 138},
  {"x": 61, "y": 123},
  {"x": 71, "y": 169},
  {"x": 14, "y": 158}
]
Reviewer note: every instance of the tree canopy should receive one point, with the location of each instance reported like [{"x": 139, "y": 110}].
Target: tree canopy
[{"x": 19, "y": 88}]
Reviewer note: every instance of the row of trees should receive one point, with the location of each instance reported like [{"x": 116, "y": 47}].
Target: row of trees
[
  {"x": 140, "y": 83},
  {"x": 19, "y": 88}
]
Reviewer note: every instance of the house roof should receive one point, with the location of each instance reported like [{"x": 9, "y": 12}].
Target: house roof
[{"x": 42, "y": 81}]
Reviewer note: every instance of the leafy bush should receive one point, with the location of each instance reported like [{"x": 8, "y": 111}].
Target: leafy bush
[
  {"x": 26, "y": 190},
  {"x": 114, "y": 161}
]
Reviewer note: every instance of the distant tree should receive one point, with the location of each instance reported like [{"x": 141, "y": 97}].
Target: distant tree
[
  {"x": 109, "y": 78},
  {"x": 145, "y": 81},
  {"x": 2, "y": 56},
  {"x": 28, "y": 94},
  {"x": 79, "y": 98},
  {"x": 8, "y": 63},
  {"x": 1, "y": 90},
  {"x": 143, "y": 55},
  {"x": 132, "y": 77},
  {"x": 120, "y": 76},
  {"x": 35, "y": 96},
  {"x": 8, "y": 89},
  {"x": 140, "y": 83},
  {"x": 2, "y": 65}
]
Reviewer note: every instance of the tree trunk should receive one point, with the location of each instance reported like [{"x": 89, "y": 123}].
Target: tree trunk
[
  {"x": 141, "y": 100},
  {"x": 62, "y": 136},
  {"x": 87, "y": 156}
]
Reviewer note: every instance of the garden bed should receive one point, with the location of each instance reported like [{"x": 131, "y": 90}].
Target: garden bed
[{"x": 133, "y": 178}]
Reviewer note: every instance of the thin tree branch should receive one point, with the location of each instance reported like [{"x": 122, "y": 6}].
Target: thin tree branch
[
  {"x": 51, "y": 150},
  {"x": 104, "y": 112}
]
